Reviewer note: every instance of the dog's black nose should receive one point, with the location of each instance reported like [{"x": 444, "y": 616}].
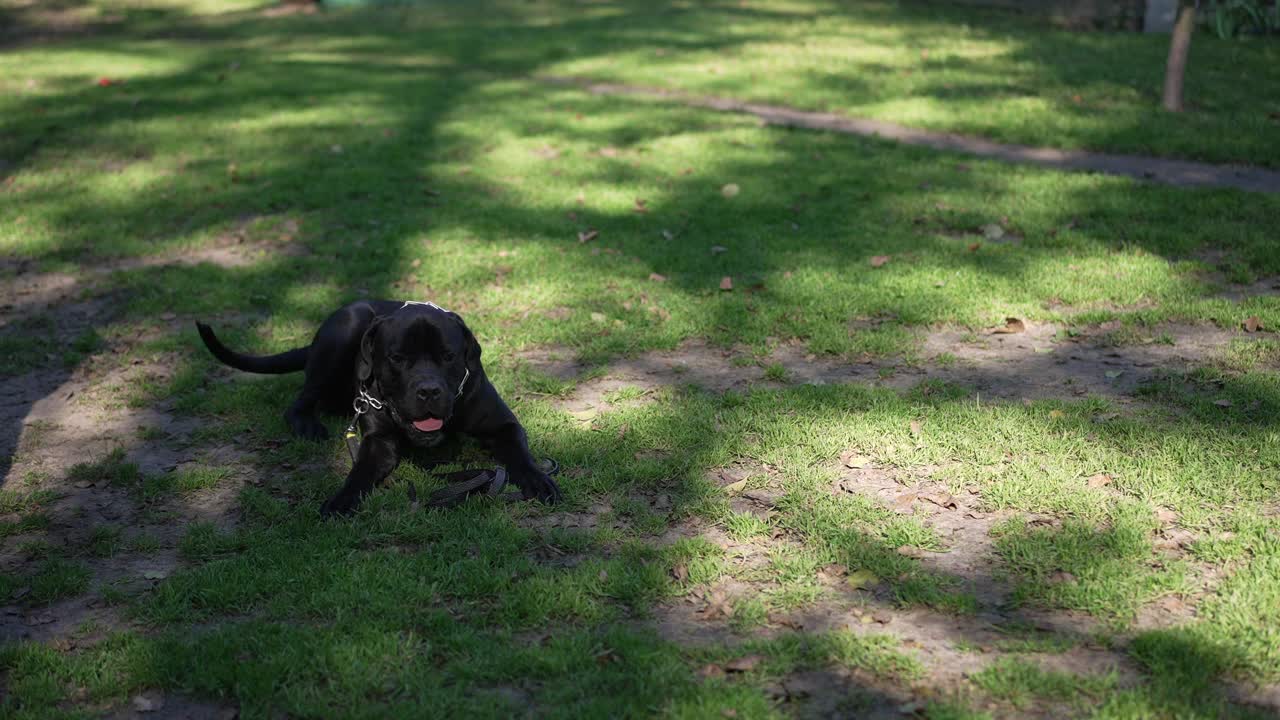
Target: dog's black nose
[{"x": 428, "y": 391}]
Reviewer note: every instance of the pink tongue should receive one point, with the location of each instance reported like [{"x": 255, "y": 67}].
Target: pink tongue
[{"x": 429, "y": 425}]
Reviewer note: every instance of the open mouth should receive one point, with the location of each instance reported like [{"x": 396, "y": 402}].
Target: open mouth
[{"x": 428, "y": 424}]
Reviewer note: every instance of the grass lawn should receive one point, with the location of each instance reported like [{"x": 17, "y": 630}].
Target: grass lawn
[{"x": 831, "y": 489}]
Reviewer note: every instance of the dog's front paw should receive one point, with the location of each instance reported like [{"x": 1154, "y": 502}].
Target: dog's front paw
[
  {"x": 539, "y": 486},
  {"x": 340, "y": 505},
  {"x": 307, "y": 427}
]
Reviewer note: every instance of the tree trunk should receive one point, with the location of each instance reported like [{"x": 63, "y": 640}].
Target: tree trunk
[{"x": 1176, "y": 67}]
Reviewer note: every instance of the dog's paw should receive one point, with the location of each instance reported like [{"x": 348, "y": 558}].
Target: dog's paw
[
  {"x": 340, "y": 505},
  {"x": 540, "y": 487},
  {"x": 307, "y": 427}
]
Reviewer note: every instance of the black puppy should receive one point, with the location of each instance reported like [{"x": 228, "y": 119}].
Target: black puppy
[{"x": 413, "y": 372}]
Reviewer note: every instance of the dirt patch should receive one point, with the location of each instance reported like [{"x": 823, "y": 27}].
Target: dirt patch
[
  {"x": 1041, "y": 362},
  {"x": 1171, "y": 172}
]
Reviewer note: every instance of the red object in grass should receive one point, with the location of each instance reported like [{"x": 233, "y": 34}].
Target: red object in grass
[{"x": 104, "y": 82}]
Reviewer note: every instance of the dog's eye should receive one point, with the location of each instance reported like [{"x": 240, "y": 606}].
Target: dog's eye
[{"x": 396, "y": 358}]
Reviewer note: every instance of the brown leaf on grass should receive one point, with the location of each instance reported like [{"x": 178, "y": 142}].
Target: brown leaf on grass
[
  {"x": 879, "y": 260},
  {"x": 1252, "y": 324},
  {"x": 1062, "y": 577},
  {"x": 711, "y": 670},
  {"x": 910, "y": 551},
  {"x": 735, "y": 487},
  {"x": 915, "y": 427},
  {"x": 680, "y": 572},
  {"x": 657, "y": 278},
  {"x": 851, "y": 459},
  {"x": 588, "y": 235},
  {"x": 834, "y": 570},
  {"x": 1223, "y": 402},
  {"x": 718, "y": 605},
  {"x": 1099, "y": 480},
  {"x": 641, "y": 206},
  {"x": 974, "y": 247},
  {"x": 745, "y": 663},
  {"x": 904, "y": 501},
  {"x": 1011, "y": 325},
  {"x": 726, "y": 283},
  {"x": 941, "y": 499},
  {"x": 623, "y": 430},
  {"x": 609, "y": 151}
]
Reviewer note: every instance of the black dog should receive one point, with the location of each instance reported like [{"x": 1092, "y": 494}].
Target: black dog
[{"x": 413, "y": 371}]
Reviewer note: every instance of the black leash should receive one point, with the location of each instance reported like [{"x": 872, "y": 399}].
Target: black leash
[{"x": 465, "y": 484}]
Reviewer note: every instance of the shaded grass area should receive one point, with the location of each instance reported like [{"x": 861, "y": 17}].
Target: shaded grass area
[
  {"x": 309, "y": 161},
  {"x": 488, "y": 607}
]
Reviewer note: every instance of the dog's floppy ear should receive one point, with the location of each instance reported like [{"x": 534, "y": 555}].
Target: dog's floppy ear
[
  {"x": 472, "y": 351},
  {"x": 364, "y": 363}
]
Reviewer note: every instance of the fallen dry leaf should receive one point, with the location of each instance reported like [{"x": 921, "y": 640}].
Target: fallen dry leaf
[
  {"x": 730, "y": 190},
  {"x": 1223, "y": 402},
  {"x": 711, "y": 670},
  {"x": 942, "y": 500},
  {"x": 588, "y": 235},
  {"x": 1062, "y": 577},
  {"x": 1011, "y": 325},
  {"x": 879, "y": 260},
  {"x": 975, "y": 247},
  {"x": 862, "y": 580},
  {"x": 726, "y": 283},
  {"x": 657, "y": 278},
  {"x": 1099, "y": 480},
  {"x": 641, "y": 206},
  {"x": 718, "y": 605},
  {"x": 910, "y": 551},
  {"x": 745, "y": 663},
  {"x": 680, "y": 572},
  {"x": 903, "y": 502},
  {"x": 1055, "y": 414},
  {"x": 735, "y": 487},
  {"x": 915, "y": 427},
  {"x": 1252, "y": 324},
  {"x": 833, "y": 570},
  {"x": 851, "y": 459}
]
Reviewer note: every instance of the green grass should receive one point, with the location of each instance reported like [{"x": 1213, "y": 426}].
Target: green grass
[
  {"x": 1021, "y": 682},
  {"x": 407, "y": 153}
]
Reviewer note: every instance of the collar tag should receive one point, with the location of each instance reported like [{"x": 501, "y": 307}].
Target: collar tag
[{"x": 363, "y": 403}]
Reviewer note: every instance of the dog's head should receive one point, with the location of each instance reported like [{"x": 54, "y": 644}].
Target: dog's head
[{"x": 419, "y": 357}]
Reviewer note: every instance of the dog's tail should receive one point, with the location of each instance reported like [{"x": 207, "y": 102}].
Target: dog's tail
[{"x": 286, "y": 362}]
